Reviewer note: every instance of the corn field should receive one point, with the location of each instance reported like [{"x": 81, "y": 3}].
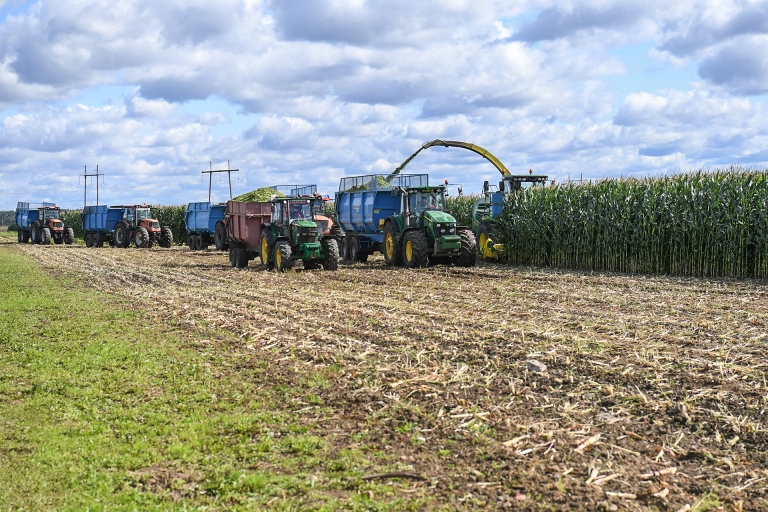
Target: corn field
[{"x": 711, "y": 224}]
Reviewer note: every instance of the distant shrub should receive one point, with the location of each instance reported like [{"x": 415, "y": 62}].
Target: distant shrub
[{"x": 13, "y": 227}]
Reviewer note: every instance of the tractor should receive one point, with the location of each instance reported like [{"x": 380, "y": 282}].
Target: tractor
[{"x": 42, "y": 225}]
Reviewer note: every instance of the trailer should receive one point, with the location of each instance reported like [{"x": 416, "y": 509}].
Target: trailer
[
  {"x": 244, "y": 222},
  {"x": 206, "y": 223},
  {"x": 402, "y": 216},
  {"x": 119, "y": 226},
  {"x": 42, "y": 224}
]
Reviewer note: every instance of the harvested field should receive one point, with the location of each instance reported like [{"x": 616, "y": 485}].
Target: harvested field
[{"x": 653, "y": 396}]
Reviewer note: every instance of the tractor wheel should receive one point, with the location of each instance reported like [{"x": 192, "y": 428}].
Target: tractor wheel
[
  {"x": 88, "y": 240},
  {"x": 283, "y": 259},
  {"x": 69, "y": 236},
  {"x": 199, "y": 243},
  {"x": 331, "y": 249},
  {"x": 415, "y": 249},
  {"x": 121, "y": 236},
  {"x": 192, "y": 242},
  {"x": 468, "y": 253},
  {"x": 220, "y": 236},
  {"x": 33, "y": 234},
  {"x": 45, "y": 236},
  {"x": 393, "y": 256},
  {"x": 166, "y": 237},
  {"x": 141, "y": 237},
  {"x": 264, "y": 252},
  {"x": 485, "y": 243}
]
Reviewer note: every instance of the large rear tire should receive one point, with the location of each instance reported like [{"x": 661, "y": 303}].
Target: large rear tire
[
  {"x": 264, "y": 251},
  {"x": 283, "y": 259},
  {"x": 220, "y": 237},
  {"x": 331, "y": 249},
  {"x": 166, "y": 237},
  {"x": 141, "y": 237},
  {"x": 354, "y": 249},
  {"x": 415, "y": 249},
  {"x": 69, "y": 236},
  {"x": 393, "y": 256},
  {"x": 33, "y": 234},
  {"x": 121, "y": 236},
  {"x": 45, "y": 236},
  {"x": 468, "y": 253}
]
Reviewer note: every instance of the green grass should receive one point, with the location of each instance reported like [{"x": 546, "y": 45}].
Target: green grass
[{"x": 103, "y": 406}]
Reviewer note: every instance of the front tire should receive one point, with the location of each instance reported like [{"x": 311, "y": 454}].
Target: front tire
[
  {"x": 392, "y": 254},
  {"x": 264, "y": 252},
  {"x": 415, "y": 249},
  {"x": 45, "y": 236},
  {"x": 141, "y": 237},
  {"x": 69, "y": 236},
  {"x": 468, "y": 253},
  {"x": 331, "y": 249},
  {"x": 283, "y": 259},
  {"x": 166, "y": 237}
]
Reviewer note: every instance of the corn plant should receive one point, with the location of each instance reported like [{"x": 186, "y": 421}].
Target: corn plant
[{"x": 700, "y": 223}]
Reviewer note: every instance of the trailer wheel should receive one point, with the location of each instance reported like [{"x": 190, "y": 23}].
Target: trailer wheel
[
  {"x": 468, "y": 253},
  {"x": 220, "y": 236},
  {"x": 19, "y": 236},
  {"x": 98, "y": 241},
  {"x": 121, "y": 236},
  {"x": 331, "y": 249},
  {"x": 393, "y": 256},
  {"x": 241, "y": 258},
  {"x": 232, "y": 256},
  {"x": 199, "y": 243},
  {"x": 205, "y": 241},
  {"x": 45, "y": 236},
  {"x": 141, "y": 237},
  {"x": 88, "y": 240},
  {"x": 283, "y": 259},
  {"x": 191, "y": 242},
  {"x": 166, "y": 237},
  {"x": 415, "y": 249},
  {"x": 25, "y": 237},
  {"x": 69, "y": 236},
  {"x": 345, "y": 247}
]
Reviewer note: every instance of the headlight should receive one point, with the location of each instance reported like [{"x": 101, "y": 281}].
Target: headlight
[{"x": 438, "y": 225}]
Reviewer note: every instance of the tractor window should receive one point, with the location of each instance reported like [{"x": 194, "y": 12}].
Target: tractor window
[
  {"x": 301, "y": 211},
  {"x": 144, "y": 213},
  {"x": 129, "y": 213},
  {"x": 420, "y": 201}
]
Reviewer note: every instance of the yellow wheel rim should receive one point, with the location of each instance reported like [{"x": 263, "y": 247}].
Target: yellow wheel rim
[
  {"x": 264, "y": 251},
  {"x": 486, "y": 247},
  {"x": 409, "y": 250},
  {"x": 278, "y": 258},
  {"x": 390, "y": 245}
]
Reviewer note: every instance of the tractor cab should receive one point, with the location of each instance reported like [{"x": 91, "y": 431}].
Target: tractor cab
[
  {"x": 316, "y": 204},
  {"x": 294, "y": 219}
]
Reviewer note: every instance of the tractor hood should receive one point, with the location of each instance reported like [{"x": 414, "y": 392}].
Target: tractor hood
[
  {"x": 303, "y": 224},
  {"x": 438, "y": 216}
]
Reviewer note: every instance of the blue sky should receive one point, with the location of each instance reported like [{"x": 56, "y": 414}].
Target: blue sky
[{"x": 309, "y": 91}]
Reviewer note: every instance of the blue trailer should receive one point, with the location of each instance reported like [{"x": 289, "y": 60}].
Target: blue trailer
[
  {"x": 119, "y": 226},
  {"x": 402, "y": 216},
  {"x": 42, "y": 224},
  {"x": 205, "y": 222}
]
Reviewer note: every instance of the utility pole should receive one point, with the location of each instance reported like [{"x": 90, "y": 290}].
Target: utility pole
[
  {"x": 210, "y": 177},
  {"x": 85, "y": 176}
]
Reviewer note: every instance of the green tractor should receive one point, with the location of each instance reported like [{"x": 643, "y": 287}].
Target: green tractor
[{"x": 293, "y": 234}]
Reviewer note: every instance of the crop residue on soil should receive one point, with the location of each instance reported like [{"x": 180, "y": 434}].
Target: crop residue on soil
[{"x": 508, "y": 387}]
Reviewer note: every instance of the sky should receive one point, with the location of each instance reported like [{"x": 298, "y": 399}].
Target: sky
[{"x": 310, "y": 91}]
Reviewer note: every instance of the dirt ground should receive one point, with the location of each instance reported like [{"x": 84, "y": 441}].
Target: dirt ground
[{"x": 503, "y": 387}]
